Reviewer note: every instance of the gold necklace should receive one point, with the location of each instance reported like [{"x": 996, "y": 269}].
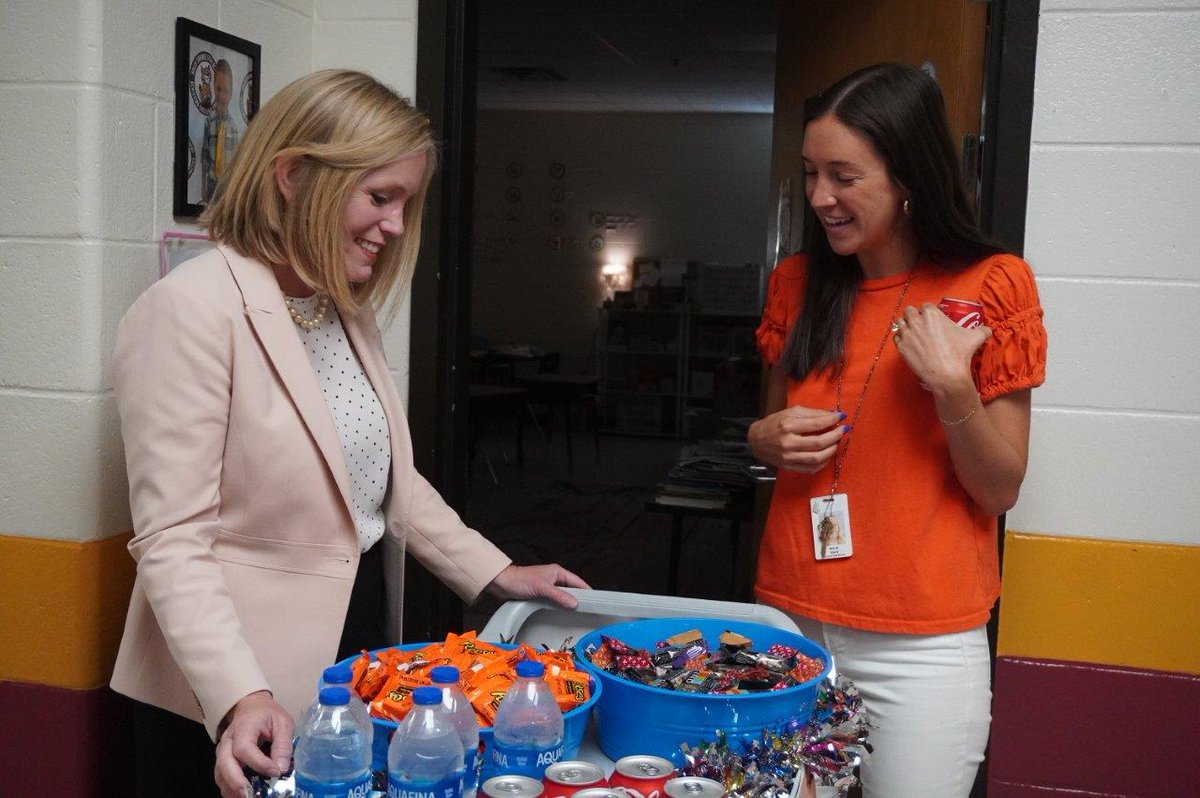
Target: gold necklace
[
  {"x": 840, "y": 458},
  {"x": 304, "y": 322}
]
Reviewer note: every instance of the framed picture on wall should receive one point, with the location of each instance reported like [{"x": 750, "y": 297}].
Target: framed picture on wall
[{"x": 216, "y": 94}]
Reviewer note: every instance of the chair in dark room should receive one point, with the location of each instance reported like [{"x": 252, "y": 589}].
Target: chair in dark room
[
  {"x": 489, "y": 404},
  {"x": 549, "y": 389}
]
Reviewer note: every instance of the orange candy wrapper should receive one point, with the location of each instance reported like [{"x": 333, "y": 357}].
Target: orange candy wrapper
[
  {"x": 395, "y": 699},
  {"x": 570, "y": 688},
  {"x": 387, "y": 681},
  {"x": 486, "y": 693},
  {"x": 368, "y": 677},
  {"x": 557, "y": 662}
]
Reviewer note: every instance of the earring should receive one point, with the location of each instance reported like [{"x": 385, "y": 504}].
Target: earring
[{"x": 905, "y": 208}]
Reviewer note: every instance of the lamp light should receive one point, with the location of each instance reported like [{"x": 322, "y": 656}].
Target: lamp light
[{"x": 613, "y": 274}]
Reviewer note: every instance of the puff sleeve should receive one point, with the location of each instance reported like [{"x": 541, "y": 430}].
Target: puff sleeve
[
  {"x": 785, "y": 293},
  {"x": 1014, "y": 358}
]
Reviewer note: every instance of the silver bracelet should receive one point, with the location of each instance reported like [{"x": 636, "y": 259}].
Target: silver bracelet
[{"x": 978, "y": 404}]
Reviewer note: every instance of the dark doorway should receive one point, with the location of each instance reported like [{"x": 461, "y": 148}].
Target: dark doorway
[
  {"x": 616, "y": 150},
  {"x": 451, "y": 68}
]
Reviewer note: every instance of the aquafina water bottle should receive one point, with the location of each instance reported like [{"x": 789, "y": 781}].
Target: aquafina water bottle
[
  {"x": 333, "y": 750},
  {"x": 425, "y": 757},
  {"x": 455, "y": 702},
  {"x": 527, "y": 734},
  {"x": 342, "y": 676}
]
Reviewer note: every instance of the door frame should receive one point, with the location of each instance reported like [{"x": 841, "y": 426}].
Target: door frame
[
  {"x": 1007, "y": 119},
  {"x": 439, "y": 337}
]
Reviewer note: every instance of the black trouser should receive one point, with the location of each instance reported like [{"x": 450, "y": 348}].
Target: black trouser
[
  {"x": 174, "y": 756},
  {"x": 364, "y": 617}
]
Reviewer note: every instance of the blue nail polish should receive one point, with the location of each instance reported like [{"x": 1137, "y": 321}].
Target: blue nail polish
[
  {"x": 843, "y": 415},
  {"x": 847, "y": 428}
]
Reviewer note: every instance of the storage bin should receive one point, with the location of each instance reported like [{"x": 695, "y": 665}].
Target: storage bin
[
  {"x": 574, "y": 722},
  {"x": 633, "y": 718}
]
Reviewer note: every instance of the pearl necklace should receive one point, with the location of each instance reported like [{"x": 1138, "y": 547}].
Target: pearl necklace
[{"x": 304, "y": 322}]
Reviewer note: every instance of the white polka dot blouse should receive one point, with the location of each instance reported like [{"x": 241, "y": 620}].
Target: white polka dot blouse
[{"x": 361, "y": 425}]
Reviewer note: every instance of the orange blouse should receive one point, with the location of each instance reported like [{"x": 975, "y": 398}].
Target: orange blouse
[{"x": 925, "y": 559}]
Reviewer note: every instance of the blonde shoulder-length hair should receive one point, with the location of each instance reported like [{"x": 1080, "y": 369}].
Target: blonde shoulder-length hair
[{"x": 337, "y": 125}]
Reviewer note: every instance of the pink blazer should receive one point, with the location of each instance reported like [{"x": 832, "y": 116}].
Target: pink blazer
[{"x": 244, "y": 539}]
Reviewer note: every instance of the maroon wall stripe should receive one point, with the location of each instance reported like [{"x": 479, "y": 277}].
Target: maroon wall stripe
[
  {"x": 1071, "y": 728},
  {"x": 57, "y": 741}
]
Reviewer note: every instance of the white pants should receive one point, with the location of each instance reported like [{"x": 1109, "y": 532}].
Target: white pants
[{"x": 929, "y": 695}]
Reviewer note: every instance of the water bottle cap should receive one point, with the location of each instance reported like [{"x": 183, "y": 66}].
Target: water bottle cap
[
  {"x": 427, "y": 695},
  {"x": 444, "y": 674},
  {"x": 337, "y": 674},
  {"x": 529, "y": 667},
  {"x": 334, "y": 696}
]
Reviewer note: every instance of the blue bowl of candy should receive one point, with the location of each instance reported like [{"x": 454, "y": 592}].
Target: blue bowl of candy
[
  {"x": 636, "y": 718},
  {"x": 574, "y": 721}
]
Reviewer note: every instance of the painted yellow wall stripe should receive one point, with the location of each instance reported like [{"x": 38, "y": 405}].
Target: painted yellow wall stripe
[
  {"x": 1111, "y": 602},
  {"x": 62, "y": 609}
]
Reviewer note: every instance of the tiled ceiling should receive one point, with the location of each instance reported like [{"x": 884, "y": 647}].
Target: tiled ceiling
[{"x": 693, "y": 56}]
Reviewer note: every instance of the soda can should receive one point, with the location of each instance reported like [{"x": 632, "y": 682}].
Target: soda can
[
  {"x": 564, "y": 779},
  {"x": 512, "y": 787},
  {"x": 694, "y": 787},
  {"x": 963, "y": 312},
  {"x": 599, "y": 792},
  {"x": 642, "y": 776}
]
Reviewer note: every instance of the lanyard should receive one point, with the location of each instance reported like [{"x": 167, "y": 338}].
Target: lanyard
[{"x": 840, "y": 458}]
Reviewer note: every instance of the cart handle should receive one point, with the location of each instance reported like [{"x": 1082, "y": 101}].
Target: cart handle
[{"x": 512, "y": 615}]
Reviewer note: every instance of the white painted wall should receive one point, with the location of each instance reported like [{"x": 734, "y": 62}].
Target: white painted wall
[
  {"x": 698, "y": 183},
  {"x": 85, "y": 162},
  {"x": 1113, "y": 236},
  {"x": 379, "y": 37}
]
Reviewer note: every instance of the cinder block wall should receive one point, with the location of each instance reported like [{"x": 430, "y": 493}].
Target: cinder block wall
[
  {"x": 1100, "y": 608},
  {"x": 86, "y": 165}
]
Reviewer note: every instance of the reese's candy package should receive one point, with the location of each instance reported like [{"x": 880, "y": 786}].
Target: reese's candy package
[
  {"x": 395, "y": 699},
  {"x": 486, "y": 693},
  {"x": 387, "y": 679},
  {"x": 368, "y": 677},
  {"x": 570, "y": 689}
]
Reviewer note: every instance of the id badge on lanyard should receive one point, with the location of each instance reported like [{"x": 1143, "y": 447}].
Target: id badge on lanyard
[{"x": 830, "y": 516}]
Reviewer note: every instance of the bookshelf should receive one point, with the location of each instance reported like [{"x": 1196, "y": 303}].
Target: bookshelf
[
  {"x": 659, "y": 368},
  {"x": 723, "y": 369}
]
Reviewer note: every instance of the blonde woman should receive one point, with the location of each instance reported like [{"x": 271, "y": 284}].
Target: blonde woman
[{"x": 268, "y": 455}]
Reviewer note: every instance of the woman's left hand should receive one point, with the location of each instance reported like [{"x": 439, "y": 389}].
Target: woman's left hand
[
  {"x": 537, "y": 581},
  {"x": 937, "y": 350}
]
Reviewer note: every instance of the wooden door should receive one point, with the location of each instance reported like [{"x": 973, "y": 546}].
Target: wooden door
[{"x": 820, "y": 41}]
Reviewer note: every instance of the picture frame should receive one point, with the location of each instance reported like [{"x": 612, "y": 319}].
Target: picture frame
[{"x": 213, "y": 70}]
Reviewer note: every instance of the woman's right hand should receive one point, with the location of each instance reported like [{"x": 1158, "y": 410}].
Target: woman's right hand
[
  {"x": 798, "y": 438},
  {"x": 254, "y": 719}
]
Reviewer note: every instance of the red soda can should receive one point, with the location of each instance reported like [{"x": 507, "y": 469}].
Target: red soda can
[
  {"x": 600, "y": 792},
  {"x": 512, "y": 787},
  {"x": 564, "y": 779},
  {"x": 642, "y": 776},
  {"x": 694, "y": 787},
  {"x": 963, "y": 312}
]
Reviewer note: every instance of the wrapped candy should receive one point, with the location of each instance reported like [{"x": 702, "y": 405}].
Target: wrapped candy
[
  {"x": 387, "y": 679},
  {"x": 685, "y": 662},
  {"x": 828, "y": 748}
]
